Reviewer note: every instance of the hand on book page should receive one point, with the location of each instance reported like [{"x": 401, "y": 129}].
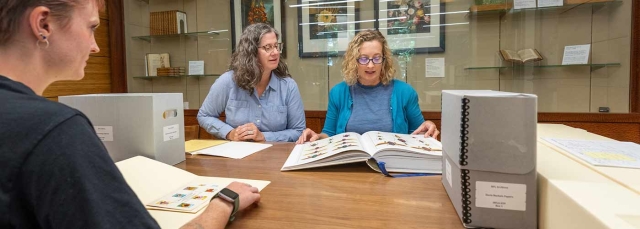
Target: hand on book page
[
  {"x": 309, "y": 135},
  {"x": 428, "y": 128}
]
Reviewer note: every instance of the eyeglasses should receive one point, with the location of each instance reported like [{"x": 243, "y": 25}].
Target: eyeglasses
[
  {"x": 365, "y": 60},
  {"x": 269, "y": 48}
]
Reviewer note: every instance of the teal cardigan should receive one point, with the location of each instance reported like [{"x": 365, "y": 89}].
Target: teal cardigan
[{"x": 405, "y": 111}]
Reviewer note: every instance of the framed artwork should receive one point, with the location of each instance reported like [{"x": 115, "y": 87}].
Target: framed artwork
[
  {"x": 411, "y": 26},
  {"x": 247, "y": 12},
  {"x": 325, "y": 28}
]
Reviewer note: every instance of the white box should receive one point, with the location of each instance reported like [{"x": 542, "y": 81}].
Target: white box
[{"x": 145, "y": 124}]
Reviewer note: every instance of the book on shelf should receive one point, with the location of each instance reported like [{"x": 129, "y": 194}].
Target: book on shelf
[
  {"x": 490, "y": 5},
  {"x": 522, "y": 56},
  {"x": 171, "y": 71},
  {"x": 173, "y": 196},
  {"x": 168, "y": 22},
  {"x": 399, "y": 152},
  {"x": 153, "y": 61}
]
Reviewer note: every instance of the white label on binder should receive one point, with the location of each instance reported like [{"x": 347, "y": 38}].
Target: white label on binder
[
  {"x": 105, "y": 133},
  {"x": 448, "y": 173},
  {"x": 505, "y": 196},
  {"x": 171, "y": 132}
]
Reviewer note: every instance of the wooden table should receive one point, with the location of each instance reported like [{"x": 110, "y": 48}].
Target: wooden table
[{"x": 343, "y": 196}]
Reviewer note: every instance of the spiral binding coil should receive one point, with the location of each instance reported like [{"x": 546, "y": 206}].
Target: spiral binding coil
[{"x": 464, "y": 176}]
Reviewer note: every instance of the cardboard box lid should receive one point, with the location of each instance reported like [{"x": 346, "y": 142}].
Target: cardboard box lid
[{"x": 490, "y": 130}]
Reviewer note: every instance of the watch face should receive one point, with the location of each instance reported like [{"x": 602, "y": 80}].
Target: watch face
[{"x": 228, "y": 193}]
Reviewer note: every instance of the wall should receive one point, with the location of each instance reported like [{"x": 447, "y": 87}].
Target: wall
[{"x": 97, "y": 77}]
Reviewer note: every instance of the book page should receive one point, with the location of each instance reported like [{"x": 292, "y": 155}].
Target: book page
[
  {"x": 320, "y": 149},
  {"x": 509, "y": 55},
  {"x": 311, "y": 152},
  {"x": 602, "y": 153},
  {"x": 529, "y": 55},
  {"x": 414, "y": 143}
]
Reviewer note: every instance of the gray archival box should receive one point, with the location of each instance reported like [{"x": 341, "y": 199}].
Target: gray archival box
[
  {"x": 132, "y": 124},
  {"x": 489, "y": 158}
]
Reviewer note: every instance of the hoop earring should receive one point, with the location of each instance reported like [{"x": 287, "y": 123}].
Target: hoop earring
[{"x": 44, "y": 39}]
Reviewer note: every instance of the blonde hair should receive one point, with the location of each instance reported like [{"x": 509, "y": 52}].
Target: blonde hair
[{"x": 350, "y": 62}]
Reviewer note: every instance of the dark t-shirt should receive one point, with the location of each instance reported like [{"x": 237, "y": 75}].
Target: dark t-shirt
[{"x": 55, "y": 172}]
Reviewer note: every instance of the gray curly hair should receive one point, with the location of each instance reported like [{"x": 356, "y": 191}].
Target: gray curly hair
[{"x": 246, "y": 67}]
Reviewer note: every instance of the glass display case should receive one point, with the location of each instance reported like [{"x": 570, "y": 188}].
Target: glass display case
[{"x": 578, "y": 52}]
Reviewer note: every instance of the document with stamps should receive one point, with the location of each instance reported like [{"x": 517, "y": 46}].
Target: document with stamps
[
  {"x": 173, "y": 196},
  {"x": 190, "y": 198},
  {"x": 399, "y": 152}
]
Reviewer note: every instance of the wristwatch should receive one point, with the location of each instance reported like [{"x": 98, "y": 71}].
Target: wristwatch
[{"x": 231, "y": 197}]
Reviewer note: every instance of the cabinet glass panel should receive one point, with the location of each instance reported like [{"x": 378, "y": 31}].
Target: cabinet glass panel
[{"x": 576, "y": 52}]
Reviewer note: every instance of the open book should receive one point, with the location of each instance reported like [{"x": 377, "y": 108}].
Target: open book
[
  {"x": 521, "y": 56},
  {"x": 173, "y": 196},
  {"x": 399, "y": 152}
]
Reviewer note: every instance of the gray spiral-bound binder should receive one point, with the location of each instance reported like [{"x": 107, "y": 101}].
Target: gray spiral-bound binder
[{"x": 489, "y": 157}]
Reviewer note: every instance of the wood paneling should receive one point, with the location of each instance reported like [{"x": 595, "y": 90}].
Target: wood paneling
[
  {"x": 102, "y": 39},
  {"x": 97, "y": 79},
  {"x": 117, "y": 46},
  {"x": 622, "y": 127},
  {"x": 634, "y": 86}
]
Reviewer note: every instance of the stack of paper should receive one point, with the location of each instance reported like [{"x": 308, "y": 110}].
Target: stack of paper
[{"x": 221, "y": 148}]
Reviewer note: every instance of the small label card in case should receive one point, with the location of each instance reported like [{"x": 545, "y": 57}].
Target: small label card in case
[
  {"x": 505, "y": 196},
  {"x": 196, "y": 67},
  {"x": 434, "y": 67},
  {"x": 524, "y": 4},
  {"x": 549, "y": 3},
  {"x": 576, "y": 54}
]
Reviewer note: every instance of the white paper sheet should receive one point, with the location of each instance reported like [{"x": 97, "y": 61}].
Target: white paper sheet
[
  {"x": 549, "y": 3},
  {"x": 434, "y": 67},
  {"x": 524, "y": 4},
  {"x": 196, "y": 67},
  {"x": 235, "y": 150},
  {"x": 602, "y": 153},
  {"x": 576, "y": 54}
]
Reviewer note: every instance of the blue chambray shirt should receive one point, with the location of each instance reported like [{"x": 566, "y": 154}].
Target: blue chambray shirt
[{"x": 278, "y": 112}]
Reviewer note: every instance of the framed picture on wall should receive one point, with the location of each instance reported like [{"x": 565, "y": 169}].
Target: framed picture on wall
[
  {"x": 414, "y": 26},
  {"x": 325, "y": 27},
  {"x": 247, "y": 12}
]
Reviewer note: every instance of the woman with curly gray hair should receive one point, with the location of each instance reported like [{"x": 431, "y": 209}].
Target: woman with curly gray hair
[{"x": 258, "y": 96}]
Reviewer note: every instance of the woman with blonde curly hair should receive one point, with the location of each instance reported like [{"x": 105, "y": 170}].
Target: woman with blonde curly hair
[
  {"x": 370, "y": 98},
  {"x": 258, "y": 96}
]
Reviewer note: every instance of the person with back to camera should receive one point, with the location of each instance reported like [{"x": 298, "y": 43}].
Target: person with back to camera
[
  {"x": 369, "y": 98},
  {"x": 260, "y": 100},
  {"x": 54, "y": 171}
]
